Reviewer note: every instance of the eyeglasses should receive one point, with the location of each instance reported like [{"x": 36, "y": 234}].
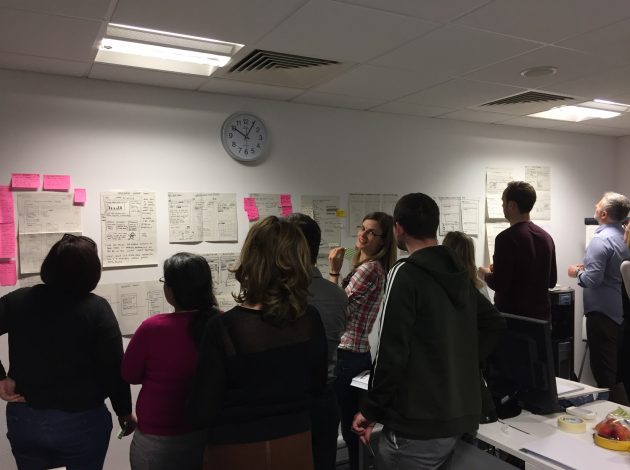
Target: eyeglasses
[
  {"x": 70, "y": 236},
  {"x": 161, "y": 279},
  {"x": 369, "y": 232}
]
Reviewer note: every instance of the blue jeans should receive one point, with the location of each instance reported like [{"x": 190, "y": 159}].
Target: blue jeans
[
  {"x": 349, "y": 365},
  {"x": 398, "y": 453},
  {"x": 42, "y": 439}
]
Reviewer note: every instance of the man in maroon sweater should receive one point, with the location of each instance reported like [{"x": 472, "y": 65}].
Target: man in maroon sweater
[{"x": 524, "y": 262}]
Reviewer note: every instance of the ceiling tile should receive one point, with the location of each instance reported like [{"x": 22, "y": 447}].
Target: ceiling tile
[
  {"x": 610, "y": 41},
  {"x": 604, "y": 84},
  {"x": 379, "y": 82},
  {"x": 241, "y": 21},
  {"x": 41, "y": 35},
  {"x": 544, "y": 20},
  {"x": 88, "y": 9},
  {"x": 454, "y": 50},
  {"x": 255, "y": 90},
  {"x": 398, "y": 107},
  {"x": 433, "y": 10},
  {"x": 146, "y": 77},
  {"x": 571, "y": 65},
  {"x": 475, "y": 116},
  {"x": 337, "y": 101},
  {"x": 337, "y": 31},
  {"x": 44, "y": 65},
  {"x": 460, "y": 94}
]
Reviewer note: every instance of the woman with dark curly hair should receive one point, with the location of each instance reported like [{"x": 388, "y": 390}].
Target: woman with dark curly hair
[{"x": 261, "y": 362}]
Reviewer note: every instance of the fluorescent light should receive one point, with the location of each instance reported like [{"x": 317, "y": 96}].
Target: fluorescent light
[
  {"x": 132, "y": 46},
  {"x": 575, "y": 113},
  {"x": 161, "y": 52}
]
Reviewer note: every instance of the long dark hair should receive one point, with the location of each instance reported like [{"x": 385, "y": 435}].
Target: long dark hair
[{"x": 190, "y": 280}]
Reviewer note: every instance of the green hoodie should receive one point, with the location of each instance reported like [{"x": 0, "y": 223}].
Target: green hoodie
[{"x": 436, "y": 330}]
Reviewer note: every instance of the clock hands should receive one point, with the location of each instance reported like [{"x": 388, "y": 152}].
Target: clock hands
[
  {"x": 233, "y": 127},
  {"x": 250, "y": 129}
]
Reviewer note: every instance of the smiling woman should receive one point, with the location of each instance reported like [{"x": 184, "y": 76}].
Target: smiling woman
[{"x": 376, "y": 253}]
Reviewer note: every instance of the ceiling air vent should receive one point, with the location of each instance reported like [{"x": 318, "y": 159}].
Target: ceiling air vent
[
  {"x": 527, "y": 98},
  {"x": 268, "y": 60},
  {"x": 282, "y": 69}
]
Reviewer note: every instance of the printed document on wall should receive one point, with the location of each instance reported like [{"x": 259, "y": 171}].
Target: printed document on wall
[
  {"x": 43, "y": 218},
  {"x": 223, "y": 279},
  {"x": 470, "y": 216},
  {"x": 496, "y": 182},
  {"x": 133, "y": 302},
  {"x": 324, "y": 210},
  {"x": 450, "y": 214},
  {"x": 540, "y": 178},
  {"x": 128, "y": 228},
  {"x": 197, "y": 217}
]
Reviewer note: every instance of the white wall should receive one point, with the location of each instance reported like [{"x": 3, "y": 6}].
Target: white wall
[
  {"x": 118, "y": 136},
  {"x": 622, "y": 166}
]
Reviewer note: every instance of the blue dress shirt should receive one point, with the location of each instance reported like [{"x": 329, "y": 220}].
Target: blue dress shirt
[{"x": 601, "y": 277}]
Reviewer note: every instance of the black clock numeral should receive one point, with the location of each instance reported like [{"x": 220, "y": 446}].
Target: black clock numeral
[
  {"x": 245, "y": 121},
  {"x": 230, "y": 135},
  {"x": 258, "y": 145},
  {"x": 246, "y": 152},
  {"x": 260, "y": 137},
  {"x": 233, "y": 128}
]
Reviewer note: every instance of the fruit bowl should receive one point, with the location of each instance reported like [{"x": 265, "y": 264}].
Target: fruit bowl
[{"x": 612, "y": 444}]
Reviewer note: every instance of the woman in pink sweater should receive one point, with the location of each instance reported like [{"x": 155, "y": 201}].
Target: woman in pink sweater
[{"x": 162, "y": 356}]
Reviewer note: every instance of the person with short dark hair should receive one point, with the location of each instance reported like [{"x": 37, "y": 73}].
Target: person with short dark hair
[
  {"x": 162, "y": 356},
  {"x": 332, "y": 303},
  {"x": 436, "y": 330},
  {"x": 364, "y": 286},
  {"x": 524, "y": 262},
  {"x": 65, "y": 348},
  {"x": 600, "y": 278},
  {"x": 262, "y": 362}
]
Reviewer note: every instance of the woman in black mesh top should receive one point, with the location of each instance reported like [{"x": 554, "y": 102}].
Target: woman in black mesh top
[{"x": 261, "y": 362}]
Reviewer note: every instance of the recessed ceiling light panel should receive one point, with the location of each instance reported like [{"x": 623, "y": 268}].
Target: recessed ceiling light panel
[{"x": 146, "y": 48}]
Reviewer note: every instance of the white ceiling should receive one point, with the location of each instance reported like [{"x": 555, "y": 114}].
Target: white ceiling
[{"x": 432, "y": 58}]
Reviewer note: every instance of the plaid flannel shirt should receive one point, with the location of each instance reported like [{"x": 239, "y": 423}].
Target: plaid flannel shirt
[{"x": 364, "y": 287}]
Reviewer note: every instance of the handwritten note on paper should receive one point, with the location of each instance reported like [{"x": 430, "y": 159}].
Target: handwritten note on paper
[
  {"x": 7, "y": 215},
  {"x": 56, "y": 182},
  {"x": 7, "y": 241},
  {"x": 128, "y": 228},
  {"x": 8, "y": 274},
  {"x": 79, "y": 196},
  {"x": 25, "y": 181}
]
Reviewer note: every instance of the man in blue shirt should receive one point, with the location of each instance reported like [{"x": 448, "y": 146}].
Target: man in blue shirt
[{"x": 601, "y": 279}]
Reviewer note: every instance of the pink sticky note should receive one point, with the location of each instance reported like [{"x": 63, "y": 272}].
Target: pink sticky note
[
  {"x": 5, "y": 189},
  {"x": 285, "y": 200},
  {"x": 287, "y": 210},
  {"x": 252, "y": 214},
  {"x": 8, "y": 274},
  {"x": 7, "y": 215},
  {"x": 7, "y": 241},
  {"x": 79, "y": 196},
  {"x": 25, "y": 181},
  {"x": 249, "y": 202},
  {"x": 56, "y": 182}
]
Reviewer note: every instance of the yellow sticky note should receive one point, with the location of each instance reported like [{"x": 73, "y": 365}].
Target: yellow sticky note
[{"x": 340, "y": 213}]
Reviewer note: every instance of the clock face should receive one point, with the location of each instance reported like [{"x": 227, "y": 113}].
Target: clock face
[{"x": 244, "y": 137}]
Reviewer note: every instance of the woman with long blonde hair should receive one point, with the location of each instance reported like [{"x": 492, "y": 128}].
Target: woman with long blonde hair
[{"x": 260, "y": 362}]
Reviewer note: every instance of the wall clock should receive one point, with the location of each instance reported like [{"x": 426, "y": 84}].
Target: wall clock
[{"x": 244, "y": 137}]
